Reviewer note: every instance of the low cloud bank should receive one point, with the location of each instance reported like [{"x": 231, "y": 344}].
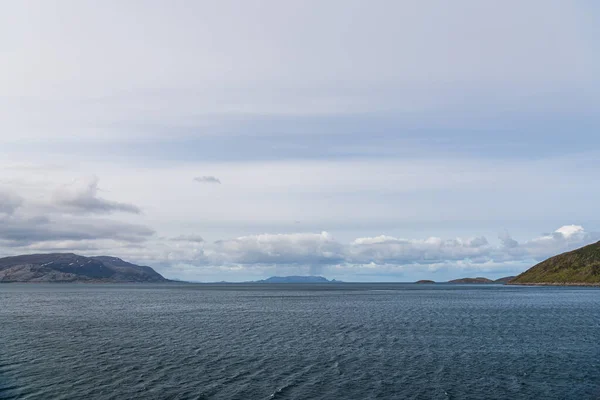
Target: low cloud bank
[
  {"x": 69, "y": 221},
  {"x": 309, "y": 248}
]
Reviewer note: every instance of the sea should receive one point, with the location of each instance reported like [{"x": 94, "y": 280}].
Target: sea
[{"x": 298, "y": 341}]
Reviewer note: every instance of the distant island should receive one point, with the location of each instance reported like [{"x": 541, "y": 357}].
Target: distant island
[
  {"x": 69, "y": 267},
  {"x": 422, "y": 281},
  {"x": 297, "y": 279},
  {"x": 481, "y": 280},
  {"x": 472, "y": 280},
  {"x": 580, "y": 267}
]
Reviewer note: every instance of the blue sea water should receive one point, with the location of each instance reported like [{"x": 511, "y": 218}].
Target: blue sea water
[{"x": 287, "y": 341}]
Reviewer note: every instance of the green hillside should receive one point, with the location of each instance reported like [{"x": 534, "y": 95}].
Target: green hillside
[{"x": 578, "y": 266}]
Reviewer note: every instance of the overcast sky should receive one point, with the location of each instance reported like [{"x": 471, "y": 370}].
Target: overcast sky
[{"x": 359, "y": 140}]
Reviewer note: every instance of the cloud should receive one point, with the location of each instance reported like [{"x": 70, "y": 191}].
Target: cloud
[
  {"x": 296, "y": 248},
  {"x": 391, "y": 250},
  {"x": 65, "y": 222},
  {"x": 23, "y": 231},
  {"x": 563, "y": 239},
  {"x": 207, "y": 179},
  {"x": 571, "y": 231},
  {"x": 507, "y": 241},
  {"x": 9, "y": 202},
  {"x": 314, "y": 249},
  {"x": 188, "y": 238},
  {"x": 240, "y": 258},
  {"x": 62, "y": 246},
  {"x": 429, "y": 137},
  {"x": 81, "y": 197}
]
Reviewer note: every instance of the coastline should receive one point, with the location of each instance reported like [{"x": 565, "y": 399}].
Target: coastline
[{"x": 555, "y": 284}]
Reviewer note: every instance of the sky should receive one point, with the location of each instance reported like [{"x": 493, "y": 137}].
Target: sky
[{"x": 358, "y": 140}]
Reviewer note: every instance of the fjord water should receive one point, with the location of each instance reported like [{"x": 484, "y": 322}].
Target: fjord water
[{"x": 308, "y": 341}]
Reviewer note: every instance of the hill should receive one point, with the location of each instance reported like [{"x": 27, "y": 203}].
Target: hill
[
  {"x": 296, "y": 279},
  {"x": 69, "y": 267},
  {"x": 578, "y": 267},
  {"x": 472, "y": 280}
]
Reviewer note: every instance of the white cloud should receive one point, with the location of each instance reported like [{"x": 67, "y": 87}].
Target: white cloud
[
  {"x": 391, "y": 250},
  {"x": 314, "y": 251},
  {"x": 296, "y": 248},
  {"x": 571, "y": 231},
  {"x": 563, "y": 239},
  {"x": 369, "y": 258}
]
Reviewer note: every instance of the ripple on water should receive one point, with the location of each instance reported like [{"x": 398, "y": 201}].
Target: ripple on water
[{"x": 291, "y": 342}]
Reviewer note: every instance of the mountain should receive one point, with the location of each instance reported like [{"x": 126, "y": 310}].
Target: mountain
[
  {"x": 472, "y": 280},
  {"x": 69, "y": 267},
  {"x": 296, "y": 279},
  {"x": 581, "y": 266}
]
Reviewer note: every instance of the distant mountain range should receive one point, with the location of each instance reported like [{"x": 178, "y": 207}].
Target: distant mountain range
[
  {"x": 480, "y": 280},
  {"x": 69, "y": 267},
  {"x": 320, "y": 279},
  {"x": 578, "y": 267},
  {"x": 297, "y": 279}
]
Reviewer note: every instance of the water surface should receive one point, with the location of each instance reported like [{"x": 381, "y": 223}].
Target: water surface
[{"x": 287, "y": 341}]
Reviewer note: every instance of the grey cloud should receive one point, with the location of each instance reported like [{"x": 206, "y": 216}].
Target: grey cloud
[
  {"x": 34, "y": 167},
  {"x": 9, "y": 202},
  {"x": 207, "y": 179},
  {"x": 507, "y": 241},
  {"x": 81, "y": 197},
  {"x": 63, "y": 225},
  {"x": 22, "y": 231},
  {"x": 60, "y": 246},
  {"x": 188, "y": 238}
]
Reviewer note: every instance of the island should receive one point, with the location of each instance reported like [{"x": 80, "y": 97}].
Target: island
[
  {"x": 297, "y": 279},
  {"x": 424, "y": 281},
  {"x": 69, "y": 267},
  {"x": 579, "y": 267},
  {"x": 482, "y": 280},
  {"x": 472, "y": 280}
]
